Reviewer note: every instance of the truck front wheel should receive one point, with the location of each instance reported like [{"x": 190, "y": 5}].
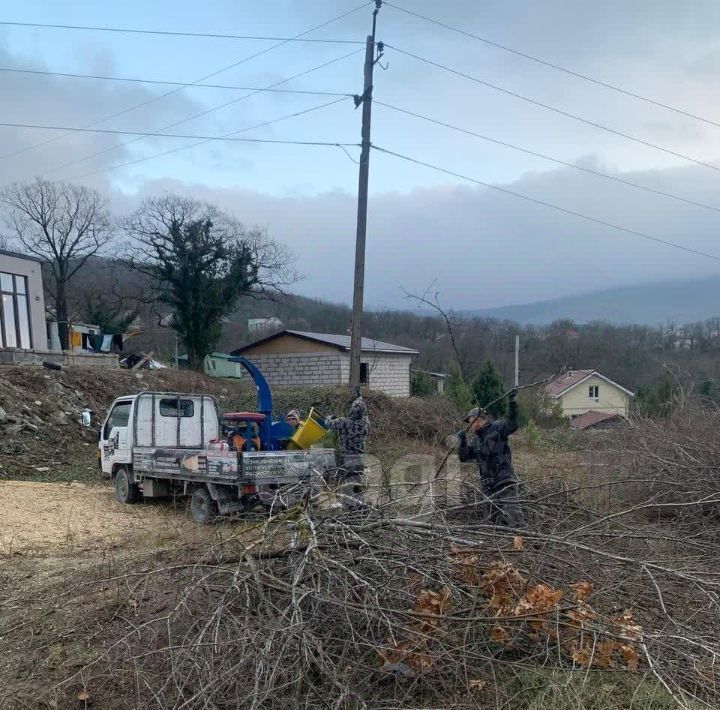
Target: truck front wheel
[
  {"x": 203, "y": 509},
  {"x": 126, "y": 490}
]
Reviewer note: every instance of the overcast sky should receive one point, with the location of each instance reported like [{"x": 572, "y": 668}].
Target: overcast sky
[{"x": 482, "y": 247}]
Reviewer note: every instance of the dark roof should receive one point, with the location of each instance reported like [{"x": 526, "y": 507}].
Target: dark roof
[
  {"x": 15, "y": 254},
  {"x": 591, "y": 419},
  {"x": 341, "y": 342}
]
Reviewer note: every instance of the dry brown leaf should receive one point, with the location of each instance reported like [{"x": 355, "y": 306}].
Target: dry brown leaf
[
  {"x": 519, "y": 542},
  {"x": 628, "y": 625},
  {"x": 499, "y": 634},
  {"x": 418, "y": 660},
  {"x": 581, "y": 655},
  {"x": 630, "y": 656},
  {"x": 543, "y": 598},
  {"x": 581, "y": 591},
  {"x": 602, "y": 654},
  {"x": 83, "y": 696},
  {"x": 477, "y": 684}
]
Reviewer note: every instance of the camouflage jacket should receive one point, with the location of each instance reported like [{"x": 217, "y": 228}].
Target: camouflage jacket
[
  {"x": 491, "y": 449},
  {"x": 353, "y": 429}
]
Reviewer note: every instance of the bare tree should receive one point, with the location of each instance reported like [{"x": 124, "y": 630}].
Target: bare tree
[
  {"x": 62, "y": 224},
  {"x": 201, "y": 262}
]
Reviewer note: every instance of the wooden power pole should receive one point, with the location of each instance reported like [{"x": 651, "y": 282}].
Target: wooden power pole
[{"x": 359, "y": 283}]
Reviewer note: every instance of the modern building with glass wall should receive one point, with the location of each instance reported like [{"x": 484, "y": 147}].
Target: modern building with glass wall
[{"x": 22, "y": 315}]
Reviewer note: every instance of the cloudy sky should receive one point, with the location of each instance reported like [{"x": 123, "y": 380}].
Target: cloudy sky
[{"x": 481, "y": 246}]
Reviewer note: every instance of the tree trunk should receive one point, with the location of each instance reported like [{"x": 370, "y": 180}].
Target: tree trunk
[
  {"x": 61, "y": 312},
  {"x": 196, "y": 362}
]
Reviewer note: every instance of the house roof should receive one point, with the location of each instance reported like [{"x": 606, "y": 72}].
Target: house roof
[
  {"x": 566, "y": 381},
  {"x": 590, "y": 419},
  {"x": 217, "y": 356},
  {"x": 14, "y": 254},
  {"x": 572, "y": 378},
  {"x": 341, "y": 342}
]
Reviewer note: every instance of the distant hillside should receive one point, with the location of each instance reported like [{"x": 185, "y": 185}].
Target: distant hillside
[{"x": 647, "y": 304}]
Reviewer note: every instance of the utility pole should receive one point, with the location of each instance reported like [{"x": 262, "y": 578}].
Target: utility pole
[
  {"x": 359, "y": 283},
  {"x": 517, "y": 361}
]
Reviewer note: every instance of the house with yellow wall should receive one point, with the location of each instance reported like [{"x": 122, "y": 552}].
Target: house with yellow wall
[{"x": 580, "y": 391}]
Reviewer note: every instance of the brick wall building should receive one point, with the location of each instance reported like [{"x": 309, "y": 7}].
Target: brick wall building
[{"x": 297, "y": 358}]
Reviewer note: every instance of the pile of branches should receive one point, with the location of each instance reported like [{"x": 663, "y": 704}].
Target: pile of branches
[
  {"x": 667, "y": 468},
  {"x": 364, "y": 610}
]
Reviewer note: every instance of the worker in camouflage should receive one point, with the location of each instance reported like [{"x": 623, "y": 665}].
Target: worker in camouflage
[
  {"x": 352, "y": 433},
  {"x": 490, "y": 447},
  {"x": 353, "y": 429}
]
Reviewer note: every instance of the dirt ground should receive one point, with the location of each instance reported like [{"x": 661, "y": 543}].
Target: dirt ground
[{"x": 42, "y": 518}]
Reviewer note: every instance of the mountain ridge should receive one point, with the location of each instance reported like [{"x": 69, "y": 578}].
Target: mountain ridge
[{"x": 655, "y": 303}]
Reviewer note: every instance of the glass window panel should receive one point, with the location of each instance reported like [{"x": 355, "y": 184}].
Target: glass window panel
[
  {"x": 23, "y": 322},
  {"x": 6, "y": 282},
  {"x": 9, "y": 321},
  {"x": 169, "y": 408},
  {"x": 20, "y": 284}
]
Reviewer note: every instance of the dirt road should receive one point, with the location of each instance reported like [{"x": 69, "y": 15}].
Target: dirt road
[{"x": 44, "y": 517}]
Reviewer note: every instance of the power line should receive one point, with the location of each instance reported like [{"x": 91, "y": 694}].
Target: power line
[
  {"x": 203, "y": 78},
  {"x": 170, "y": 33},
  {"x": 199, "y": 115},
  {"x": 567, "y": 114},
  {"x": 550, "y": 205},
  {"x": 203, "y": 138},
  {"x": 590, "y": 171},
  {"x": 228, "y": 136},
  {"x": 551, "y": 65},
  {"x": 182, "y": 84}
]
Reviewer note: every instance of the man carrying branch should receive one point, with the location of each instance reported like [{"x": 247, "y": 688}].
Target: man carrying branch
[{"x": 490, "y": 447}]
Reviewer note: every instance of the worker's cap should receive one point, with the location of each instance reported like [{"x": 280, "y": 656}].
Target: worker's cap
[
  {"x": 474, "y": 413},
  {"x": 293, "y": 414}
]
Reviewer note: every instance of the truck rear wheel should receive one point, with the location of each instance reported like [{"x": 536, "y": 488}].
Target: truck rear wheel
[
  {"x": 126, "y": 490},
  {"x": 203, "y": 509}
]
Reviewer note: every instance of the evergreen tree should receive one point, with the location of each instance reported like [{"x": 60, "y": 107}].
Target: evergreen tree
[
  {"x": 658, "y": 399},
  {"x": 487, "y": 386},
  {"x": 457, "y": 389}
]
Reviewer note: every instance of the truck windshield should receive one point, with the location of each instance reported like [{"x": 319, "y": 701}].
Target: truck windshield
[
  {"x": 119, "y": 417},
  {"x": 175, "y": 407}
]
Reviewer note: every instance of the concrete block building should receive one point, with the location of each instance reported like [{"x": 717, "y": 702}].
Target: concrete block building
[{"x": 299, "y": 358}]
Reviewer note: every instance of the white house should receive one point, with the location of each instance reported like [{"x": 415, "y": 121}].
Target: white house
[
  {"x": 581, "y": 391},
  {"x": 294, "y": 357}
]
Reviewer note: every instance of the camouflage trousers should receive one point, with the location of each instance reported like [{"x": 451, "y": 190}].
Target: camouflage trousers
[
  {"x": 504, "y": 507},
  {"x": 350, "y": 480}
]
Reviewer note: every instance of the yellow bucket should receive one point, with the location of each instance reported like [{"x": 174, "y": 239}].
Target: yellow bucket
[{"x": 308, "y": 432}]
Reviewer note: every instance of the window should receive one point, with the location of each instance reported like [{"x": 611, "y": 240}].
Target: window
[
  {"x": 170, "y": 407},
  {"x": 14, "y": 313},
  {"x": 363, "y": 373},
  {"x": 594, "y": 392},
  {"x": 119, "y": 417}
]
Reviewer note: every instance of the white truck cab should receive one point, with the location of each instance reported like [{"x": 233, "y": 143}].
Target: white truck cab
[{"x": 156, "y": 419}]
